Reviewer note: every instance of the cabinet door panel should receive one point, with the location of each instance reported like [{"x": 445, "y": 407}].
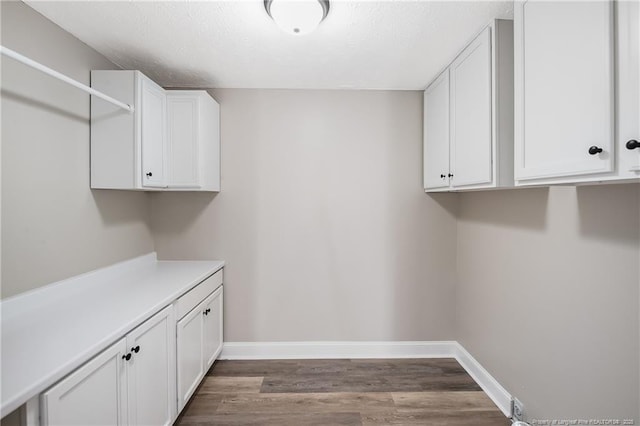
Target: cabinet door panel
[
  {"x": 212, "y": 327},
  {"x": 152, "y": 371},
  {"x": 436, "y": 133},
  {"x": 628, "y": 68},
  {"x": 471, "y": 142},
  {"x": 153, "y": 132},
  {"x": 182, "y": 115},
  {"x": 564, "y": 88},
  {"x": 95, "y": 394},
  {"x": 190, "y": 354}
]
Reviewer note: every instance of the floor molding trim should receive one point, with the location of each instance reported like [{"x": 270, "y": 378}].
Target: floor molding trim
[
  {"x": 337, "y": 350},
  {"x": 487, "y": 382},
  {"x": 334, "y": 350}
]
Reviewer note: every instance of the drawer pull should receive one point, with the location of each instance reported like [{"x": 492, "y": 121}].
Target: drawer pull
[
  {"x": 126, "y": 357},
  {"x": 136, "y": 349}
]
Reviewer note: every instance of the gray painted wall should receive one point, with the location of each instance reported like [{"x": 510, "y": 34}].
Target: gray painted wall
[
  {"x": 328, "y": 235},
  {"x": 547, "y": 296},
  {"x": 53, "y": 225},
  {"x": 322, "y": 219}
]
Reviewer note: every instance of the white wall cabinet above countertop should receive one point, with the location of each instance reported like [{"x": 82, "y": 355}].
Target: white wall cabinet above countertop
[
  {"x": 171, "y": 141},
  {"x": 49, "y": 332}
]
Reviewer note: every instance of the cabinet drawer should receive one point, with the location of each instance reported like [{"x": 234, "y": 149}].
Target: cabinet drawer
[{"x": 197, "y": 294}]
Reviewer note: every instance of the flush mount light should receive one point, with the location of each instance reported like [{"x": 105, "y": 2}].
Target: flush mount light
[{"x": 297, "y": 16}]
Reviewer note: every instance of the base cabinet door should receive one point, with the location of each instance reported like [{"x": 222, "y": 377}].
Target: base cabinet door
[
  {"x": 190, "y": 354},
  {"x": 212, "y": 328},
  {"x": 95, "y": 394},
  {"x": 151, "y": 371}
]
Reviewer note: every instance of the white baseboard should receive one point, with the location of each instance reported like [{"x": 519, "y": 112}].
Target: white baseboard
[
  {"x": 489, "y": 385},
  {"x": 341, "y": 350},
  {"x": 333, "y": 350}
]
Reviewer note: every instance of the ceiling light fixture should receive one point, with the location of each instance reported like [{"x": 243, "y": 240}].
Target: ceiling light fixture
[{"x": 297, "y": 16}]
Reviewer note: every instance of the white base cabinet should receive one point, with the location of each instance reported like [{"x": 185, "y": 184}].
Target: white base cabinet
[
  {"x": 199, "y": 339},
  {"x": 130, "y": 383},
  {"x": 468, "y": 116},
  {"x": 95, "y": 394}
]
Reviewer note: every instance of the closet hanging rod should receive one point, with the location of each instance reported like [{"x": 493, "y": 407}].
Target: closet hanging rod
[{"x": 53, "y": 73}]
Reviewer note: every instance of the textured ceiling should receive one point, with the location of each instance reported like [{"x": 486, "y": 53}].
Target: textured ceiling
[{"x": 234, "y": 44}]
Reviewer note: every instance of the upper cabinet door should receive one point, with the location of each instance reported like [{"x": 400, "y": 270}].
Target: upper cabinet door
[
  {"x": 628, "y": 77},
  {"x": 471, "y": 141},
  {"x": 153, "y": 133},
  {"x": 436, "y": 133},
  {"x": 564, "y": 88},
  {"x": 182, "y": 116}
]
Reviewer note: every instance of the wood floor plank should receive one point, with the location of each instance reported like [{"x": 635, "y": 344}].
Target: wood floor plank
[
  {"x": 436, "y": 418},
  {"x": 236, "y": 384},
  {"x": 314, "y": 383},
  {"x": 274, "y": 419},
  {"x": 452, "y": 401},
  {"x": 337, "y": 402}
]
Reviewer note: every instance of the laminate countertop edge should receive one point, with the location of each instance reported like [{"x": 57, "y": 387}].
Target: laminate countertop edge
[{"x": 49, "y": 332}]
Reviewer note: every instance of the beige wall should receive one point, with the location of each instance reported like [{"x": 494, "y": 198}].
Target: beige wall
[
  {"x": 322, "y": 220},
  {"x": 547, "y": 296},
  {"x": 53, "y": 225}
]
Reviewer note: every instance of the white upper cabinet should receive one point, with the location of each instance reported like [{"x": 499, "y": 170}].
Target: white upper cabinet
[
  {"x": 436, "y": 133},
  {"x": 171, "y": 141},
  {"x": 153, "y": 104},
  {"x": 128, "y": 148},
  {"x": 576, "y": 92},
  {"x": 471, "y": 147},
  {"x": 468, "y": 135},
  {"x": 193, "y": 119},
  {"x": 628, "y": 89}
]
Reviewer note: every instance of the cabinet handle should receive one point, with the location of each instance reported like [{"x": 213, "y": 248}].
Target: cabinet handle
[
  {"x": 127, "y": 357},
  {"x": 442, "y": 176},
  {"x": 149, "y": 174},
  {"x": 593, "y": 150},
  {"x": 206, "y": 312},
  {"x": 136, "y": 349},
  {"x": 633, "y": 144},
  {"x": 450, "y": 175}
]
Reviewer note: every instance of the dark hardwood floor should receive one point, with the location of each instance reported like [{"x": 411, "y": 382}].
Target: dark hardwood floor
[{"x": 435, "y": 392}]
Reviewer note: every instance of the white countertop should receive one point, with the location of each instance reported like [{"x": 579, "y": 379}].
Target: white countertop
[{"x": 47, "y": 333}]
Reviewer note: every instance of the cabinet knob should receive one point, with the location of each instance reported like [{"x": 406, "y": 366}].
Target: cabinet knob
[
  {"x": 443, "y": 176},
  {"x": 593, "y": 150},
  {"x": 136, "y": 349},
  {"x": 127, "y": 357},
  {"x": 149, "y": 174},
  {"x": 633, "y": 144},
  {"x": 450, "y": 175},
  {"x": 206, "y": 311}
]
